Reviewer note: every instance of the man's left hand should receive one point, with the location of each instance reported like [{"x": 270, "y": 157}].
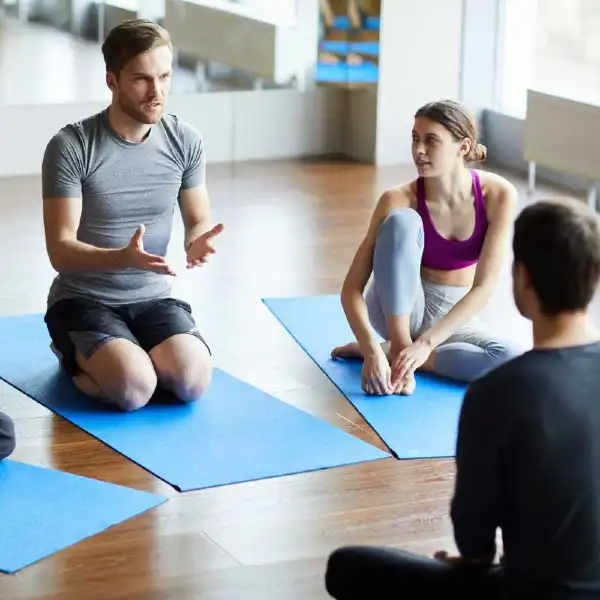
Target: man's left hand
[{"x": 202, "y": 247}]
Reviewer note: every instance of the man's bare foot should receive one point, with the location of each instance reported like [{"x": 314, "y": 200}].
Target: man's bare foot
[
  {"x": 82, "y": 380},
  {"x": 351, "y": 350},
  {"x": 87, "y": 385}
]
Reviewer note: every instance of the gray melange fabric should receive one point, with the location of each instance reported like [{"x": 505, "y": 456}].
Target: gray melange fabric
[{"x": 122, "y": 185}]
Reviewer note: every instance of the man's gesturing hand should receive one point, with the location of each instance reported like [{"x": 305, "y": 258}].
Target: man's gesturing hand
[
  {"x": 135, "y": 256},
  {"x": 200, "y": 249}
]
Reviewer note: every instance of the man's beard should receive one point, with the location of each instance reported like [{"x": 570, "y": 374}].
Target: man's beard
[{"x": 139, "y": 115}]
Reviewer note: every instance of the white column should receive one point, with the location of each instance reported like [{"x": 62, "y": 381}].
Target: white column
[{"x": 419, "y": 61}]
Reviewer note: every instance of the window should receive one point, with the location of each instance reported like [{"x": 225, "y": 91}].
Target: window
[
  {"x": 549, "y": 45},
  {"x": 517, "y": 43}
]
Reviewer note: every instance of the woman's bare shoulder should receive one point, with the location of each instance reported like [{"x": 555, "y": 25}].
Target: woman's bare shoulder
[
  {"x": 494, "y": 185},
  {"x": 400, "y": 196},
  {"x": 499, "y": 193}
]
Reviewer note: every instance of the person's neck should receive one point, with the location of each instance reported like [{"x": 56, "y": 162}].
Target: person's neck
[
  {"x": 453, "y": 188},
  {"x": 126, "y": 127},
  {"x": 564, "y": 330}
]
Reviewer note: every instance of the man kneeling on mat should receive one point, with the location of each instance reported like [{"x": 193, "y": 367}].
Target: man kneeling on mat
[
  {"x": 7, "y": 436},
  {"x": 110, "y": 186},
  {"x": 528, "y": 450}
]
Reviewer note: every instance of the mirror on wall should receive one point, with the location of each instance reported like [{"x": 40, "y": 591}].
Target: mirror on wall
[{"x": 50, "y": 50}]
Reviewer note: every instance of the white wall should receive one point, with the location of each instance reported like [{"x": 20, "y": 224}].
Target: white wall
[{"x": 420, "y": 52}]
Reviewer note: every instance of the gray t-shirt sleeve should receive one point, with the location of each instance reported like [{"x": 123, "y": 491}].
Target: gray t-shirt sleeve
[
  {"x": 194, "y": 172},
  {"x": 62, "y": 166}
]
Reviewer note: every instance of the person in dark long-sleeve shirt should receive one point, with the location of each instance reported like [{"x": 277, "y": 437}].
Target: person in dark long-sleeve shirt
[
  {"x": 7, "y": 436},
  {"x": 528, "y": 445}
]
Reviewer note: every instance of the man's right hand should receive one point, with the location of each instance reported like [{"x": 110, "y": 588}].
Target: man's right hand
[{"x": 136, "y": 257}]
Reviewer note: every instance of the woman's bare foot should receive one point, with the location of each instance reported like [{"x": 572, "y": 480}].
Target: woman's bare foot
[
  {"x": 351, "y": 350},
  {"x": 407, "y": 387}
]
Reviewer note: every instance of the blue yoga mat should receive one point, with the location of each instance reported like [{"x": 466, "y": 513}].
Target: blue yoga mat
[
  {"x": 344, "y": 47},
  {"x": 343, "y": 73},
  {"x": 44, "y": 511},
  {"x": 422, "y": 425},
  {"x": 370, "y": 23},
  {"x": 235, "y": 433}
]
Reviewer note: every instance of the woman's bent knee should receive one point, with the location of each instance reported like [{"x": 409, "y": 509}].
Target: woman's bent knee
[
  {"x": 402, "y": 224},
  {"x": 501, "y": 351},
  {"x": 403, "y": 219}
]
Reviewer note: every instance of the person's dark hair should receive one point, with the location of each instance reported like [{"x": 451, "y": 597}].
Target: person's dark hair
[
  {"x": 130, "y": 38},
  {"x": 458, "y": 121},
  {"x": 558, "y": 243}
]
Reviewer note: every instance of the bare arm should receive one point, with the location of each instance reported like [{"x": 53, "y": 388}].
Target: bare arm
[
  {"x": 360, "y": 271},
  {"x": 62, "y": 173},
  {"x": 194, "y": 204},
  {"x": 66, "y": 253},
  {"x": 501, "y": 211}
]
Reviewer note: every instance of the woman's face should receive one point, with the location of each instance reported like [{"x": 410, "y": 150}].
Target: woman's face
[{"x": 434, "y": 150}]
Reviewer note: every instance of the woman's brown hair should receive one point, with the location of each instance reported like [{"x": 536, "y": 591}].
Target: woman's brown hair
[{"x": 458, "y": 121}]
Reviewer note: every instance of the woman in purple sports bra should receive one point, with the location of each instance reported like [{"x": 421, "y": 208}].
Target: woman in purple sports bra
[{"x": 433, "y": 253}]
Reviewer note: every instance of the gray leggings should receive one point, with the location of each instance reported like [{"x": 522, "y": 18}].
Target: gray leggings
[{"x": 397, "y": 288}]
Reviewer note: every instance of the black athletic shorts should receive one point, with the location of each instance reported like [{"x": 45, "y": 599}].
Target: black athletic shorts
[{"x": 82, "y": 324}]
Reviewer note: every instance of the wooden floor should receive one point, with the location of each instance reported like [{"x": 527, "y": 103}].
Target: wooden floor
[{"x": 291, "y": 228}]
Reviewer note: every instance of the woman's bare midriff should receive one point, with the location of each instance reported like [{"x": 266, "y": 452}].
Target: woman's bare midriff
[{"x": 460, "y": 277}]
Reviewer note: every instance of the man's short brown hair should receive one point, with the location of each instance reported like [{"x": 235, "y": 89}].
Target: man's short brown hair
[
  {"x": 130, "y": 38},
  {"x": 558, "y": 243}
]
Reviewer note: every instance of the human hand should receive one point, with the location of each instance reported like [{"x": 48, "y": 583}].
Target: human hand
[
  {"x": 408, "y": 360},
  {"x": 458, "y": 560},
  {"x": 136, "y": 257},
  {"x": 445, "y": 557},
  {"x": 376, "y": 374},
  {"x": 199, "y": 250}
]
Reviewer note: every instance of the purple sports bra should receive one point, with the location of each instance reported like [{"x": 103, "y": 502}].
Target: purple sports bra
[{"x": 448, "y": 255}]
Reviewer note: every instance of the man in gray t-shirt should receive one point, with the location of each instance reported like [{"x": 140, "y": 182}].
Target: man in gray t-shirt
[{"x": 111, "y": 183}]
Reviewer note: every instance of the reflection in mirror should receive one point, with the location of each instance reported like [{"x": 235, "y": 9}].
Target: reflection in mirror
[{"x": 50, "y": 50}]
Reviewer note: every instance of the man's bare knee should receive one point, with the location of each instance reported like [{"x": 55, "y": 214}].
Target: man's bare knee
[
  {"x": 193, "y": 384},
  {"x": 123, "y": 373},
  {"x": 183, "y": 366},
  {"x": 135, "y": 392}
]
